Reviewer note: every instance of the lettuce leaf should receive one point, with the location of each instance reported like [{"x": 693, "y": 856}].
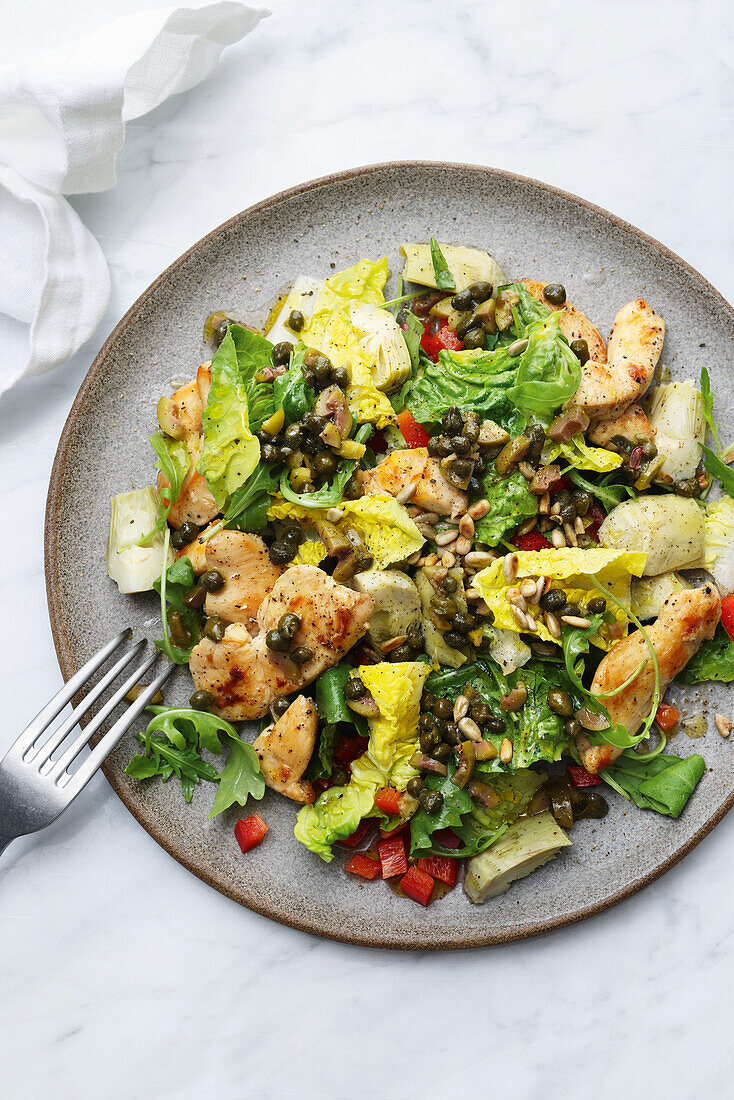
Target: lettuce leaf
[
  {"x": 173, "y": 462},
  {"x": 581, "y": 456},
  {"x": 511, "y": 502},
  {"x": 664, "y": 783},
  {"x": 714, "y": 661},
  {"x": 477, "y": 380},
  {"x": 290, "y": 392},
  {"x": 549, "y": 372}
]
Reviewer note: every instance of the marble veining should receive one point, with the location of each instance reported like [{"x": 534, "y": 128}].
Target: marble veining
[{"x": 122, "y": 974}]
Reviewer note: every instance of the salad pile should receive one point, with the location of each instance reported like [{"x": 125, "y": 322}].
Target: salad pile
[{"x": 447, "y": 551}]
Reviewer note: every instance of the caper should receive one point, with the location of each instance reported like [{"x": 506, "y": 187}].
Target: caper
[
  {"x": 311, "y": 446},
  {"x": 269, "y": 452},
  {"x": 188, "y": 531},
  {"x": 354, "y": 688},
  {"x": 463, "y": 300},
  {"x": 214, "y": 628},
  {"x": 293, "y": 436},
  {"x": 277, "y": 642},
  {"x": 414, "y": 786},
  {"x": 444, "y": 607},
  {"x": 441, "y": 752},
  {"x": 572, "y": 727},
  {"x": 475, "y": 337},
  {"x": 201, "y": 700},
  {"x": 180, "y": 635},
  {"x": 426, "y": 723},
  {"x": 442, "y": 708},
  {"x": 472, "y": 424},
  {"x": 316, "y": 424},
  {"x": 325, "y": 464},
  {"x": 322, "y": 369},
  {"x": 622, "y": 443},
  {"x": 177, "y": 540},
  {"x": 428, "y": 740},
  {"x": 434, "y": 445},
  {"x": 686, "y": 488},
  {"x": 493, "y": 724},
  {"x": 431, "y": 801},
  {"x": 415, "y": 636},
  {"x": 463, "y": 622},
  {"x": 553, "y": 600},
  {"x": 480, "y": 292},
  {"x": 460, "y": 445},
  {"x": 310, "y": 358},
  {"x": 480, "y": 712},
  {"x": 212, "y": 580},
  {"x": 582, "y": 502},
  {"x": 279, "y": 706},
  {"x": 451, "y": 734},
  {"x": 339, "y": 775},
  {"x": 340, "y": 376},
  {"x": 428, "y": 699},
  {"x": 281, "y": 552},
  {"x": 404, "y": 652},
  {"x": 649, "y": 449},
  {"x": 293, "y": 536},
  {"x": 572, "y": 609},
  {"x": 581, "y": 350},
  {"x": 289, "y": 625},
  {"x": 540, "y": 648},
  {"x": 281, "y": 353},
  {"x": 595, "y": 806},
  {"x": 562, "y": 497},
  {"x": 461, "y": 468},
  {"x": 560, "y": 703},
  {"x": 195, "y": 597},
  {"x": 449, "y": 584},
  {"x": 567, "y": 513},
  {"x": 264, "y": 437},
  {"x": 296, "y": 320},
  {"x": 452, "y": 422},
  {"x": 536, "y": 435},
  {"x": 301, "y": 654},
  {"x": 597, "y": 606},
  {"x": 555, "y": 294}
]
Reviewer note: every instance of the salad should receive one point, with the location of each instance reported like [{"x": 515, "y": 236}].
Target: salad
[{"x": 447, "y": 552}]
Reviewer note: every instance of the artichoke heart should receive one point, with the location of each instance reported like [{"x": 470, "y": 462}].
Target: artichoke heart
[
  {"x": 381, "y": 338},
  {"x": 526, "y": 845},
  {"x": 467, "y": 265}
]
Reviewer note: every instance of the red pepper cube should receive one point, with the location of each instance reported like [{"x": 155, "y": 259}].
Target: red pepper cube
[
  {"x": 249, "y": 831},
  {"x": 387, "y": 801},
  {"x": 393, "y": 859},
  {"x": 414, "y": 434},
  {"x": 403, "y": 827},
  {"x": 363, "y": 866},
  {"x": 581, "y": 778},
  {"x": 441, "y": 867},
  {"x": 532, "y": 541},
  {"x": 353, "y": 840},
  {"x": 433, "y": 343},
  {"x": 447, "y": 838},
  {"x": 417, "y": 885}
]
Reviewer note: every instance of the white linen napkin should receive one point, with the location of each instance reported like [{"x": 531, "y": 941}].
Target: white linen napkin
[{"x": 62, "y": 120}]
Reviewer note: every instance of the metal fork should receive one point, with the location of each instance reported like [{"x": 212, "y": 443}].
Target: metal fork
[{"x": 34, "y": 789}]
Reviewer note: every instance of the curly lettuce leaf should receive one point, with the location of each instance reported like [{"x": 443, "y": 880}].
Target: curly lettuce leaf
[
  {"x": 478, "y": 380},
  {"x": 511, "y": 502},
  {"x": 582, "y": 456}
]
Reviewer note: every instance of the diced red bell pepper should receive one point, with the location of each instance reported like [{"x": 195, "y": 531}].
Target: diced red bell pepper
[
  {"x": 362, "y": 865},
  {"x": 349, "y": 747},
  {"x": 598, "y": 515},
  {"x": 562, "y": 483},
  {"x": 447, "y": 838},
  {"x": 445, "y": 339},
  {"x": 358, "y": 834},
  {"x": 666, "y": 716},
  {"x": 581, "y": 778},
  {"x": 417, "y": 885},
  {"x": 387, "y": 801},
  {"x": 403, "y": 827},
  {"x": 532, "y": 541},
  {"x": 440, "y": 867},
  {"x": 414, "y": 434},
  {"x": 392, "y": 856},
  {"x": 727, "y": 615},
  {"x": 249, "y": 831},
  {"x": 376, "y": 443}
]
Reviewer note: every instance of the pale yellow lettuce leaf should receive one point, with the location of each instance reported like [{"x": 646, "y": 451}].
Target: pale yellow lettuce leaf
[{"x": 579, "y": 454}]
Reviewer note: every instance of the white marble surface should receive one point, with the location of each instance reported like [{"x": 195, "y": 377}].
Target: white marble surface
[{"x": 121, "y": 974}]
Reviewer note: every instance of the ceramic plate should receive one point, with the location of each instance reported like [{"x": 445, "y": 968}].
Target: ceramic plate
[{"x": 533, "y": 230}]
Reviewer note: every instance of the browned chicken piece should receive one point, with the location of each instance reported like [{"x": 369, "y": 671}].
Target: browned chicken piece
[
  {"x": 244, "y": 676},
  {"x": 188, "y": 403},
  {"x": 433, "y": 492},
  {"x": 196, "y": 551},
  {"x": 195, "y": 503},
  {"x": 286, "y": 747},
  {"x": 574, "y": 324},
  {"x": 606, "y": 390},
  {"x": 633, "y": 425},
  {"x": 687, "y": 619},
  {"x": 249, "y": 575}
]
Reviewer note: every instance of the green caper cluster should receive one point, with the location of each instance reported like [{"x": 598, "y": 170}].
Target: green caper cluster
[
  {"x": 477, "y": 314},
  {"x": 184, "y": 534},
  {"x": 637, "y": 457},
  {"x": 211, "y": 625},
  {"x": 567, "y": 804},
  {"x": 319, "y": 372},
  {"x": 298, "y": 441},
  {"x": 411, "y": 647},
  {"x": 454, "y": 622},
  {"x": 463, "y": 458},
  {"x": 280, "y": 639},
  {"x": 285, "y": 545}
]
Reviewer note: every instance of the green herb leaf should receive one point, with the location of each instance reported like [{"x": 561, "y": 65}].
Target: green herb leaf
[
  {"x": 664, "y": 783},
  {"x": 328, "y": 495},
  {"x": 240, "y": 779},
  {"x": 723, "y": 474},
  {"x": 610, "y": 495},
  {"x": 163, "y": 759},
  {"x": 412, "y": 334},
  {"x": 335, "y": 717},
  {"x": 290, "y": 392},
  {"x": 708, "y": 408},
  {"x": 172, "y": 586},
  {"x": 714, "y": 661},
  {"x": 173, "y": 462},
  {"x": 247, "y": 508},
  {"x": 444, "y": 279},
  {"x": 548, "y": 373}
]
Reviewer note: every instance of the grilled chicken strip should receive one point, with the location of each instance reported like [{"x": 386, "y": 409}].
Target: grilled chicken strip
[
  {"x": 574, "y": 324},
  {"x": 285, "y": 750},
  {"x": 249, "y": 576},
  {"x": 195, "y": 503},
  {"x": 687, "y": 618},
  {"x": 606, "y": 390},
  {"x": 433, "y": 492},
  {"x": 632, "y": 424},
  {"x": 244, "y": 676}
]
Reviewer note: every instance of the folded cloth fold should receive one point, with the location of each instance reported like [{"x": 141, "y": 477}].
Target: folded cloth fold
[{"x": 62, "y": 121}]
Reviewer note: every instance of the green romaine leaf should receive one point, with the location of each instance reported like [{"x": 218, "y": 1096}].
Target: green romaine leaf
[
  {"x": 476, "y": 380},
  {"x": 714, "y": 661},
  {"x": 290, "y": 392},
  {"x": 172, "y": 586},
  {"x": 548, "y": 373},
  {"x": 444, "y": 279},
  {"x": 240, "y": 779},
  {"x": 723, "y": 474},
  {"x": 253, "y": 353},
  {"x": 511, "y": 503},
  {"x": 173, "y": 462},
  {"x": 664, "y": 783},
  {"x": 529, "y": 309},
  {"x": 328, "y": 495},
  {"x": 708, "y": 408}
]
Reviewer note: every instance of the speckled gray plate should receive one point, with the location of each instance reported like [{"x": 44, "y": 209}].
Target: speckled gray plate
[{"x": 532, "y": 229}]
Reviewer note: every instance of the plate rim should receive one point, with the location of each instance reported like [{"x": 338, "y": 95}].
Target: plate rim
[{"x": 480, "y": 938}]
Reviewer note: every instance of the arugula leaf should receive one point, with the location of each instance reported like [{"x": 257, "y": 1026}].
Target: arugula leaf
[
  {"x": 173, "y": 462},
  {"x": 708, "y": 408},
  {"x": 610, "y": 495},
  {"x": 183, "y": 725},
  {"x": 240, "y": 779},
  {"x": 290, "y": 392},
  {"x": 575, "y": 642},
  {"x": 328, "y": 495},
  {"x": 719, "y": 469},
  {"x": 247, "y": 508},
  {"x": 664, "y": 783},
  {"x": 412, "y": 334},
  {"x": 510, "y": 502},
  {"x": 163, "y": 759},
  {"x": 444, "y": 279},
  {"x": 714, "y": 661},
  {"x": 172, "y": 586}
]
